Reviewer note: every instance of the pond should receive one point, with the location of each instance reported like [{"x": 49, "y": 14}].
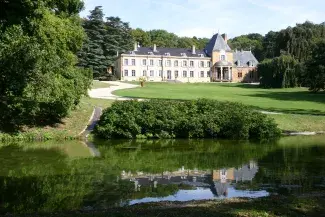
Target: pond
[{"x": 65, "y": 176}]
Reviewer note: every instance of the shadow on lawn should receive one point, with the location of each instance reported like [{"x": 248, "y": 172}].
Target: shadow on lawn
[{"x": 286, "y": 97}]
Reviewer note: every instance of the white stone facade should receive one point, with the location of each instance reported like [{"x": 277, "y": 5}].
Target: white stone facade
[{"x": 162, "y": 68}]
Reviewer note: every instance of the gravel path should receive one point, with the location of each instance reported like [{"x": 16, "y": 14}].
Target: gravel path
[{"x": 106, "y": 93}]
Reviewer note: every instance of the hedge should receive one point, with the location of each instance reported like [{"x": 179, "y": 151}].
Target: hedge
[{"x": 190, "y": 119}]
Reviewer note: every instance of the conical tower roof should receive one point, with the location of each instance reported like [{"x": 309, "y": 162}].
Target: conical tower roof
[{"x": 216, "y": 43}]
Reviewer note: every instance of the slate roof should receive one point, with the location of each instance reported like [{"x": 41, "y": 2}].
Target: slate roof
[
  {"x": 216, "y": 43},
  {"x": 172, "y": 51},
  {"x": 244, "y": 57}
]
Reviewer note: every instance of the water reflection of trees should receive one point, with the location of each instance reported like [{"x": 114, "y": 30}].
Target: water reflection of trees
[
  {"x": 46, "y": 180},
  {"x": 293, "y": 170}
]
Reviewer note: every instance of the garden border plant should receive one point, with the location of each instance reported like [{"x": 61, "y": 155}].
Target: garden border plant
[{"x": 190, "y": 119}]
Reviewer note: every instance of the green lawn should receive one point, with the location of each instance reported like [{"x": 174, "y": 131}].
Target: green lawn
[
  {"x": 303, "y": 111},
  {"x": 99, "y": 84},
  {"x": 293, "y": 100}
]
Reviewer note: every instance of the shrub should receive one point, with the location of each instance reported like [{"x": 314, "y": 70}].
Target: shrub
[{"x": 191, "y": 119}]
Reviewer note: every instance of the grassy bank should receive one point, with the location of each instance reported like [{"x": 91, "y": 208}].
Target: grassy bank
[
  {"x": 69, "y": 128},
  {"x": 265, "y": 207},
  {"x": 303, "y": 111}
]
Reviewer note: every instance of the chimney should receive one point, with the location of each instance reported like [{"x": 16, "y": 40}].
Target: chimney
[
  {"x": 154, "y": 48},
  {"x": 135, "y": 46},
  {"x": 193, "y": 49},
  {"x": 225, "y": 37},
  {"x": 117, "y": 54}
]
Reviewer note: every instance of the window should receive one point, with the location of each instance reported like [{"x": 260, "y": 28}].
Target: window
[
  {"x": 176, "y": 63},
  {"x": 223, "y": 57},
  {"x": 167, "y": 54},
  {"x": 152, "y": 73},
  {"x": 126, "y": 62},
  {"x": 176, "y": 74},
  {"x": 191, "y": 74},
  {"x": 251, "y": 75},
  {"x": 191, "y": 63},
  {"x": 151, "y": 63},
  {"x": 168, "y": 63},
  {"x": 144, "y": 73},
  {"x": 208, "y": 74},
  {"x": 133, "y": 73},
  {"x": 184, "y": 63},
  {"x": 160, "y": 73},
  {"x": 202, "y": 64},
  {"x": 209, "y": 64},
  {"x": 144, "y": 62},
  {"x": 223, "y": 172},
  {"x": 126, "y": 73},
  {"x": 160, "y": 63},
  {"x": 202, "y": 74},
  {"x": 133, "y": 62},
  {"x": 184, "y": 74},
  {"x": 240, "y": 74}
]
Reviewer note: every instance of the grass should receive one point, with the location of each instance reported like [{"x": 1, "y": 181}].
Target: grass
[
  {"x": 69, "y": 128},
  {"x": 303, "y": 111},
  {"x": 99, "y": 84},
  {"x": 264, "y": 207},
  {"x": 291, "y": 122},
  {"x": 293, "y": 100}
]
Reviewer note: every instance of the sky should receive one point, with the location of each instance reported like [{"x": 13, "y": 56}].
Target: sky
[{"x": 203, "y": 18}]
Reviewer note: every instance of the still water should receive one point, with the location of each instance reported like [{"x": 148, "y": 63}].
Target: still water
[{"x": 65, "y": 176}]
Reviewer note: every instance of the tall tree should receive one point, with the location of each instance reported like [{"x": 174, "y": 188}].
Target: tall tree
[
  {"x": 142, "y": 37},
  {"x": 315, "y": 78},
  {"x": 118, "y": 38},
  {"x": 92, "y": 54},
  {"x": 252, "y": 42},
  {"x": 39, "y": 80},
  {"x": 162, "y": 38}
]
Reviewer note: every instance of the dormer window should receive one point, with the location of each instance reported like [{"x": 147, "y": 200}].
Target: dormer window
[
  {"x": 251, "y": 64},
  {"x": 167, "y": 54},
  {"x": 201, "y": 55},
  {"x": 183, "y": 54},
  {"x": 132, "y": 52},
  {"x": 223, "y": 57},
  {"x": 150, "y": 53}
]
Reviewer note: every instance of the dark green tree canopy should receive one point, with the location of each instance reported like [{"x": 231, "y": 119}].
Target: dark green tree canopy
[{"x": 39, "y": 80}]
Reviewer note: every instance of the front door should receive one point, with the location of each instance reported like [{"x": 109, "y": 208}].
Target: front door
[{"x": 169, "y": 74}]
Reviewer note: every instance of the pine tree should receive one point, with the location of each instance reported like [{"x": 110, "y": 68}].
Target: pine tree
[
  {"x": 92, "y": 54},
  {"x": 117, "y": 38}
]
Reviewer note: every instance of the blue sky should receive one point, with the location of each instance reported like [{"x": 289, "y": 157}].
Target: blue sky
[{"x": 203, "y": 18}]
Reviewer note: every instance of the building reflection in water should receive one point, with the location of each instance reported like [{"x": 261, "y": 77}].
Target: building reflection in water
[{"x": 219, "y": 181}]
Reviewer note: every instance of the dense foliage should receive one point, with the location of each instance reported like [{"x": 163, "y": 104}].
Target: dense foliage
[
  {"x": 280, "y": 72},
  {"x": 253, "y": 42},
  {"x": 162, "y": 38},
  {"x": 104, "y": 40},
  {"x": 190, "y": 119},
  {"x": 292, "y": 56},
  {"x": 315, "y": 78},
  {"x": 39, "y": 80}
]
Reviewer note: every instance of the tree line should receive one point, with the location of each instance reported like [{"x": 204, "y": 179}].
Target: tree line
[
  {"x": 109, "y": 36},
  {"x": 291, "y": 57}
]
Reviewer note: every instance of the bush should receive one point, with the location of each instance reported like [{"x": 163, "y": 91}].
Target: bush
[{"x": 191, "y": 119}]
